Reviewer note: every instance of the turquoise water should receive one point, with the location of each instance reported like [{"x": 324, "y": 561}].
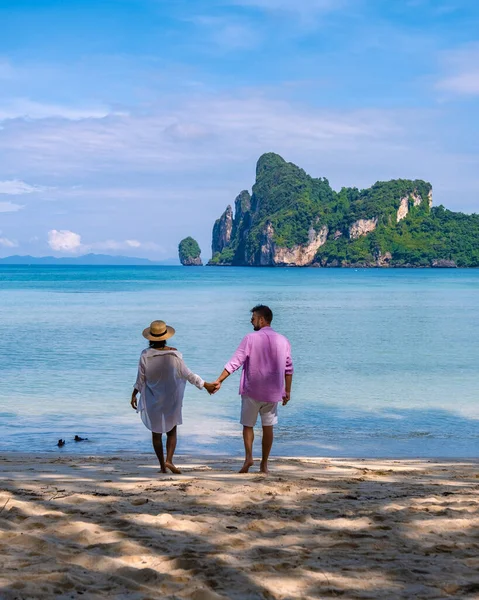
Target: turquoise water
[{"x": 386, "y": 361}]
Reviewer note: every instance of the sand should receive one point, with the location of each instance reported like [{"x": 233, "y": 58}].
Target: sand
[{"x": 114, "y": 527}]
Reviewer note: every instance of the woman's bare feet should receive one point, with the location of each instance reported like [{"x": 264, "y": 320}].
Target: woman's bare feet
[
  {"x": 173, "y": 469},
  {"x": 246, "y": 466},
  {"x": 263, "y": 467}
]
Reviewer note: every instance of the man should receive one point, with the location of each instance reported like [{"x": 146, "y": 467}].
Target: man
[{"x": 265, "y": 356}]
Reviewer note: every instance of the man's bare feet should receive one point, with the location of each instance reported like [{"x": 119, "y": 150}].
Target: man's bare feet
[
  {"x": 246, "y": 466},
  {"x": 163, "y": 470},
  {"x": 173, "y": 469},
  {"x": 263, "y": 467}
]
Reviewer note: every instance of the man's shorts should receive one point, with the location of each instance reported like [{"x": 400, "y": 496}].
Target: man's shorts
[{"x": 250, "y": 409}]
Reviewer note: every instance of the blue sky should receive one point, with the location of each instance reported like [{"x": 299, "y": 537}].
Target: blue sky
[{"x": 126, "y": 125}]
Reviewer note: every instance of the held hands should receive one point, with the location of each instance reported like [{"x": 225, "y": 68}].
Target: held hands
[
  {"x": 212, "y": 388},
  {"x": 286, "y": 398}
]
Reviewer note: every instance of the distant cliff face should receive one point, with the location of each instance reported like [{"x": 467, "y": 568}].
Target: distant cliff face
[
  {"x": 300, "y": 255},
  {"x": 222, "y": 231},
  {"x": 189, "y": 253},
  {"x": 362, "y": 227},
  {"x": 413, "y": 198},
  {"x": 292, "y": 219}
]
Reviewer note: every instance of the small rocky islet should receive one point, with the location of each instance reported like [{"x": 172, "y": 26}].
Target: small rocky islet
[{"x": 189, "y": 253}]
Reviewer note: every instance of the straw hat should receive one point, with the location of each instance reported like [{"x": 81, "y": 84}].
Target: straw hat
[{"x": 158, "y": 331}]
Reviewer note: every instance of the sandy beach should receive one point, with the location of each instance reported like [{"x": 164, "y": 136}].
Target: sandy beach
[{"x": 115, "y": 527}]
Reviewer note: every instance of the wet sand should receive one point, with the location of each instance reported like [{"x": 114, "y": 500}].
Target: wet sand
[{"x": 114, "y": 527}]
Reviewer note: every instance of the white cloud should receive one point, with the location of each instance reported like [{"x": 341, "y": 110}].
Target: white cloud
[
  {"x": 23, "y": 108},
  {"x": 186, "y": 131},
  {"x": 159, "y": 192},
  {"x": 9, "y": 207},
  {"x": 15, "y": 187},
  {"x": 64, "y": 241},
  {"x": 194, "y": 133},
  {"x": 464, "y": 83},
  {"x": 461, "y": 71},
  {"x": 8, "y": 243},
  {"x": 70, "y": 242}
]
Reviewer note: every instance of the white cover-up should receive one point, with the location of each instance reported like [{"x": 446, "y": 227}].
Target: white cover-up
[{"x": 161, "y": 381}]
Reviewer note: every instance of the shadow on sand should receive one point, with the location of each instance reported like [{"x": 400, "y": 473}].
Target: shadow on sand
[{"x": 316, "y": 528}]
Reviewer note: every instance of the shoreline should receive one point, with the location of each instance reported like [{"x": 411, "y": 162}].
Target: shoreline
[
  {"x": 224, "y": 457},
  {"x": 110, "y": 525}
]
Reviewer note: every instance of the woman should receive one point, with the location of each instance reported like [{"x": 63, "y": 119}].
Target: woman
[{"x": 161, "y": 381}]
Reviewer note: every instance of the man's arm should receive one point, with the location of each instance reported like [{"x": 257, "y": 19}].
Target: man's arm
[
  {"x": 288, "y": 377},
  {"x": 288, "y": 380},
  {"x": 236, "y": 361},
  {"x": 224, "y": 375}
]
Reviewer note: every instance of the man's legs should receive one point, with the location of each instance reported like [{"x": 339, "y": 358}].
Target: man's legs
[
  {"x": 269, "y": 418},
  {"x": 267, "y": 444},
  {"x": 170, "y": 450},
  {"x": 158, "y": 447},
  {"x": 248, "y": 437}
]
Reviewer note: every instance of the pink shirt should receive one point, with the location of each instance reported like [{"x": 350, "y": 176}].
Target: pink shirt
[{"x": 266, "y": 359}]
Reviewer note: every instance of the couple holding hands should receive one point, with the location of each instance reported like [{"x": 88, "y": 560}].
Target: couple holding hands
[{"x": 265, "y": 356}]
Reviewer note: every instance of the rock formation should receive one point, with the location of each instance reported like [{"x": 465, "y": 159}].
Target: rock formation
[
  {"x": 416, "y": 200},
  {"x": 189, "y": 253},
  {"x": 297, "y": 256},
  {"x": 222, "y": 230},
  {"x": 292, "y": 219},
  {"x": 362, "y": 227}
]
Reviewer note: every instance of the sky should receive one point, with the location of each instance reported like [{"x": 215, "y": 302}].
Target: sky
[{"x": 127, "y": 125}]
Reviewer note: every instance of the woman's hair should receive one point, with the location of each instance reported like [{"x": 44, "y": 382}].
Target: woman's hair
[{"x": 154, "y": 344}]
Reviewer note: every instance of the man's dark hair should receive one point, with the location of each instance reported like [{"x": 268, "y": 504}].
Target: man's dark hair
[
  {"x": 160, "y": 344},
  {"x": 263, "y": 311}
]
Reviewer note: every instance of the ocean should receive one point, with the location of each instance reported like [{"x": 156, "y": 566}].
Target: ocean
[{"x": 386, "y": 361}]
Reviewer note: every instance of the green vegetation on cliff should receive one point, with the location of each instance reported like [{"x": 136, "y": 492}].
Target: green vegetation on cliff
[
  {"x": 289, "y": 198},
  {"x": 189, "y": 252},
  {"x": 391, "y": 223},
  {"x": 419, "y": 240}
]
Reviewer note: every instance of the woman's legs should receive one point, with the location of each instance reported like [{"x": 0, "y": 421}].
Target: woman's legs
[
  {"x": 170, "y": 450},
  {"x": 158, "y": 447}
]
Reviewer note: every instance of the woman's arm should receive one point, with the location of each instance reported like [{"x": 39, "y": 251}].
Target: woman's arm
[
  {"x": 139, "y": 384},
  {"x": 134, "y": 399},
  {"x": 191, "y": 377}
]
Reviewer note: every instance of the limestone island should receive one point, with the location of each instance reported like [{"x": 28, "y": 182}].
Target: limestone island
[
  {"x": 189, "y": 253},
  {"x": 292, "y": 219}
]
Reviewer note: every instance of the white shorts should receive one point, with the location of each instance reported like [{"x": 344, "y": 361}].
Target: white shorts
[{"x": 250, "y": 409}]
